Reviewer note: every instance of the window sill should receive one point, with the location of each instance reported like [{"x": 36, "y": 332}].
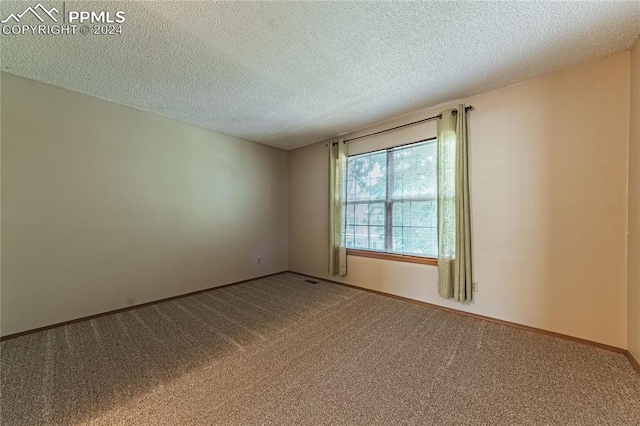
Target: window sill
[{"x": 392, "y": 256}]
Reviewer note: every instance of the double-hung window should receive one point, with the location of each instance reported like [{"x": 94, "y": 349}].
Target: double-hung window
[{"x": 391, "y": 201}]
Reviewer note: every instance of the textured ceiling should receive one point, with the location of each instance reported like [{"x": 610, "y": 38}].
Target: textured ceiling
[{"x": 288, "y": 74}]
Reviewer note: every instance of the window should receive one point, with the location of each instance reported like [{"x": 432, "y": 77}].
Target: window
[{"x": 391, "y": 201}]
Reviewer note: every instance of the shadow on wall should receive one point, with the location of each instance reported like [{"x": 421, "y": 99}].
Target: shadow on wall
[{"x": 81, "y": 371}]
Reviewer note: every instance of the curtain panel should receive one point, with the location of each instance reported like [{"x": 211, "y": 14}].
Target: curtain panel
[
  {"x": 454, "y": 214},
  {"x": 338, "y": 157}
]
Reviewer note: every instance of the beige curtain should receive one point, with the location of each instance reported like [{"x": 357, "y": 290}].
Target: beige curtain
[
  {"x": 454, "y": 214},
  {"x": 338, "y": 153}
]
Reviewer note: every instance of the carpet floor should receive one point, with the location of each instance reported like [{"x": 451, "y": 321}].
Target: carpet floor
[{"x": 281, "y": 351}]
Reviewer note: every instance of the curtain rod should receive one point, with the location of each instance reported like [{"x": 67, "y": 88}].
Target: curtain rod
[{"x": 435, "y": 117}]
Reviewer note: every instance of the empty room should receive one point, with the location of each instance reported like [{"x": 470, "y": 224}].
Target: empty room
[{"x": 320, "y": 213}]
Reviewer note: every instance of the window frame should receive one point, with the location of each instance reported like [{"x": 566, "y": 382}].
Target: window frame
[{"x": 387, "y": 253}]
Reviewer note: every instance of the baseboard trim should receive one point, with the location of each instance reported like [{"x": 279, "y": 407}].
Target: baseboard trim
[
  {"x": 634, "y": 362},
  {"x": 128, "y": 308},
  {"x": 485, "y": 318}
]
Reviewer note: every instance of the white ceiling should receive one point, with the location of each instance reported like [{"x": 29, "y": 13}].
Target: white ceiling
[{"x": 288, "y": 74}]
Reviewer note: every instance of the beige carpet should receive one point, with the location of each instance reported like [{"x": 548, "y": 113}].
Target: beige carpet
[{"x": 281, "y": 351}]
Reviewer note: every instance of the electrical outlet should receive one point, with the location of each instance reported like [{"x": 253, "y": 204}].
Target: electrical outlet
[
  {"x": 259, "y": 261},
  {"x": 475, "y": 286}
]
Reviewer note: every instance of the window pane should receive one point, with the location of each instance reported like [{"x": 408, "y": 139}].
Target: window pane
[
  {"x": 414, "y": 171},
  {"x": 350, "y": 236},
  {"x": 351, "y": 214},
  {"x": 401, "y": 213},
  {"x": 362, "y": 237},
  {"x": 365, "y": 225},
  {"x": 367, "y": 176},
  {"x": 397, "y": 213},
  {"x": 361, "y": 189},
  {"x": 376, "y": 234},
  {"x": 378, "y": 188},
  {"x": 398, "y": 185},
  {"x": 379, "y": 165},
  {"x": 397, "y": 244},
  {"x": 376, "y": 214},
  {"x": 420, "y": 213},
  {"x": 419, "y": 240},
  {"x": 361, "y": 214},
  {"x": 415, "y": 231},
  {"x": 351, "y": 189},
  {"x": 406, "y": 239}
]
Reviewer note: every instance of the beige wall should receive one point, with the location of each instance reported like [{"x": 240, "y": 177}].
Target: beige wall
[
  {"x": 105, "y": 206},
  {"x": 549, "y": 197},
  {"x": 634, "y": 207}
]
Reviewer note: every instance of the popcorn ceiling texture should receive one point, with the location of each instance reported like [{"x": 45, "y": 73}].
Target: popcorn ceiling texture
[{"x": 290, "y": 74}]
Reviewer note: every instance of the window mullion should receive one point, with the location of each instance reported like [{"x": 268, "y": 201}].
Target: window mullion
[{"x": 388, "y": 204}]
